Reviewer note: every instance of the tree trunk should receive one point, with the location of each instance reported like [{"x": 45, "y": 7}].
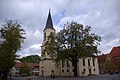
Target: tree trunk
[{"x": 75, "y": 68}]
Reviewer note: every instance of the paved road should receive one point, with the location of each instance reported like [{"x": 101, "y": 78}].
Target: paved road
[{"x": 98, "y": 77}]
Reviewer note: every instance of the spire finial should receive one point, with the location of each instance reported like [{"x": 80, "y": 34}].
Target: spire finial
[{"x": 49, "y": 9}]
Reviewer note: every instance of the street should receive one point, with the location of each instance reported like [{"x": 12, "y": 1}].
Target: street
[{"x": 95, "y": 77}]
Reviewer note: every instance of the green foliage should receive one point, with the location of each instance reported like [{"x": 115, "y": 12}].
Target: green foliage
[
  {"x": 110, "y": 66},
  {"x": 24, "y": 68},
  {"x": 73, "y": 42},
  {"x": 11, "y": 37},
  {"x": 1, "y": 78},
  {"x": 30, "y": 59}
]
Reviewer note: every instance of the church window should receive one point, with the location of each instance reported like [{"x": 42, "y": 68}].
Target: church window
[
  {"x": 67, "y": 70},
  {"x": 63, "y": 63},
  {"x": 52, "y": 33},
  {"x": 44, "y": 36},
  {"x": 93, "y": 62},
  {"x": 83, "y": 62},
  {"x": 67, "y": 63},
  {"x": 52, "y": 71},
  {"x": 84, "y": 70},
  {"x": 88, "y": 62},
  {"x": 63, "y": 71}
]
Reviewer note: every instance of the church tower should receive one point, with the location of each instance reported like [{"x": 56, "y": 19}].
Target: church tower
[
  {"x": 49, "y": 27},
  {"x": 47, "y": 31},
  {"x": 47, "y": 66}
]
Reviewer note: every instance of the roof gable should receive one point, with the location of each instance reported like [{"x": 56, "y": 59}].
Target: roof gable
[
  {"x": 115, "y": 51},
  {"x": 102, "y": 57}
]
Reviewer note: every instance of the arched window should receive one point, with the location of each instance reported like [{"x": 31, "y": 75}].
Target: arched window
[
  {"x": 63, "y": 63},
  {"x": 93, "y": 62},
  {"x": 44, "y": 36},
  {"x": 83, "y": 61},
  {"x": 88, "y": 62},
  {"x": 67, "y": 63},
  {"x": 52, "y": 71}
]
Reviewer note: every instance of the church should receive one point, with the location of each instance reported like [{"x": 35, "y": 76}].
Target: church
[{"x": 86, "y": 66}]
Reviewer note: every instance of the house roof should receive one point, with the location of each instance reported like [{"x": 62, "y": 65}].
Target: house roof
[
  {"x": 31, "y": 65},
  {"x": 102, "y": 57},
  {"x": 115, "y": 52},
  {"x": 18, "y": 64}
]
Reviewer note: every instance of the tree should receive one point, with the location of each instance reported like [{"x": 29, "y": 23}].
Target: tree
[
  {"x": 30, "y": 59},
  {"x": 110, "y": 67},
  {"x": 24, "y": 69},
  {"x": 73, "y": 42},
  {"x": 11, "y": 37}
]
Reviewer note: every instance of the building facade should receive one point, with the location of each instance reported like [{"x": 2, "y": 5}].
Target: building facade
[
  {"x": 34, "y": 69},
  {"x": 113, "y": 57},
  {"x": 86, "y": 66},
  {"x": 101, "y": 63}
]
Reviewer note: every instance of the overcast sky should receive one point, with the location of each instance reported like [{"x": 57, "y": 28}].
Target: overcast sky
[{"x": 102, "y": 15}]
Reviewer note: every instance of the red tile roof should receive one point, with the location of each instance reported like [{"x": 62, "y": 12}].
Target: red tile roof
[
  {"x": 18, "y": 64},
  {"x": 31, "y": 65},
  {"x": 102, "y": 57},
  {"x": 115, "y": 52}
]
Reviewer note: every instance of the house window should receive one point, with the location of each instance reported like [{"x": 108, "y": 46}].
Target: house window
[
  {"x": 93, "y": 62},
  {"x": 88, "y": 62},
  {"x": 83, "y": 62},
  {"x": 94, "y": 69}
]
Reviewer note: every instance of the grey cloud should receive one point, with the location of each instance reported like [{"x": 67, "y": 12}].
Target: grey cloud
[{"x": 102, "y": 15}]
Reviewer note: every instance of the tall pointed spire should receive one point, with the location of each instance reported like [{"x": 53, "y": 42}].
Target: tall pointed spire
[{"x": 49, "y": 23}]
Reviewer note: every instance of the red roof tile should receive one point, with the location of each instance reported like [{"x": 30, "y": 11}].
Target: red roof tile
[
  {"x": 18, "y": 64},
  {"x": 31, "y": 65},
  {"x": 102, "y": 57},
  {"x": 115, "y": 51}
]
